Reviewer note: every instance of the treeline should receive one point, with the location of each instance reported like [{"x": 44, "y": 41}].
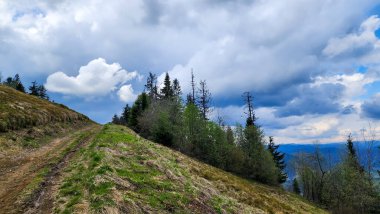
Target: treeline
[
  {"x": 346, "y": 187},
  {"x": 34, "y": 89},
  {"x": 162, "y": 116}
]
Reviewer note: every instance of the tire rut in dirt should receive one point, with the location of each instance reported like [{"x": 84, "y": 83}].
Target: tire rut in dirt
[{"x": 41, "y": 200}]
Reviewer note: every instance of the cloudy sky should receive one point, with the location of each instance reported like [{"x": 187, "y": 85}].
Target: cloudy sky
[{"x": 313, "y": 66}]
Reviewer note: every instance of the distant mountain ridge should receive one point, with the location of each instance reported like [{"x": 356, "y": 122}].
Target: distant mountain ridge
[{"x": 333, "y": 151}]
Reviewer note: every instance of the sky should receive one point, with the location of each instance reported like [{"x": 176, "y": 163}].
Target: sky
[{"x": 313, "y": 66}]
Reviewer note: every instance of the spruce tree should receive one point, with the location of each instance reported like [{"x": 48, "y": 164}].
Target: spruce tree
[
  {"x": 151, "y": 86},
  {"x": 189, "y": 99},
  {"x": 204, "y": 99},
  {"x": 18, "y": 84},
  {"x": 296, "y": 187},
  {"x": 137, "y": 109},
  {"x": 125, "y": 115},
  {"x": 167, "y": 90},
  {"x": 42, "y": 92},
  {"x": 115, "y": 119},
  {"x": 230, "y": 136},
  {"x": 352, "y": 156},
  {"x": 192, "y": 95},
  {"x": 278, "y": 158},
  {"x": 176, "y": 88},
  {"x": 33, "y": 89}
]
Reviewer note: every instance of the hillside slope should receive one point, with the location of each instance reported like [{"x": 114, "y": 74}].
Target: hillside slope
[
  {"x": 55, "y": 160},
  {"x": 35, "y": 137},
  {"x": 19, "y": 110},
  {"x": 119, "y": 172},
  {"x": 27, "y": 122}
]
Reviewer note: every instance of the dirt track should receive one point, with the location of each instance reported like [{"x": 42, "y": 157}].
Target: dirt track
[{"x": 15, "y": 179}]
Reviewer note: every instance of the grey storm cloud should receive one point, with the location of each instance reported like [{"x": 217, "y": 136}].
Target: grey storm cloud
[
  {"x": 371, "y": 108},
  {"x": 321, "y": 99},
  {"x": 235, "y": 45}
]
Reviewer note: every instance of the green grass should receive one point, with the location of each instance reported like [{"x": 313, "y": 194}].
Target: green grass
[
  {"x": 121, "y": 172},
  {"x": 42, "y": 173}
]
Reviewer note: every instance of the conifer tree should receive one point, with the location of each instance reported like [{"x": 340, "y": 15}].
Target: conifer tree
[
  {"x": 125, "y": 115},
  {"x": 248, "y": 99},
  {"x": 296, "y": 187},
  {"x": 352, "y": 156},
  {"x": 115, "y": 119},
  {"x": 278, "y": 158},
  {"x": 18, "y": 84},
  {"x": 230, "y": 136},
  {"x": 192, "y": 95},
  {"x": 8, "y": 82},
  {"x": 151, "y": 86},
  {"x": 176, "y": 88},
  {"x": 33, "y": 89},
  {"x": 167, "y": 90},
  {"x": 15, "y": 83},
  {"x": 137, "y": 109},
  {"x": 204, "y": 99},
  {"x": 42, "y": 92},
  {"x": 189, "y": 99},
  {"x": 259, "y": 165}
]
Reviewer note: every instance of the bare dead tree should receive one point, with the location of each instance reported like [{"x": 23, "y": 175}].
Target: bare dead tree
[
  {"x": 369, "y": 143},
  {"x": 204, "y": 99},
  {"x": 192, "y": 86},
  {"x": 248, "y": 99}
]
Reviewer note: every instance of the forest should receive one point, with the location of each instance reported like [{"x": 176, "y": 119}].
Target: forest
[{"x": 161, "y": 115}]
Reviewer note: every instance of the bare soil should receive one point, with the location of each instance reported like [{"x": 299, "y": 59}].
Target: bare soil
[{"x": 25, "y": 167}]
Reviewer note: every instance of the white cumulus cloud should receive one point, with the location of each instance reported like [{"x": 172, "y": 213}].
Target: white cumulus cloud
[
  {"x": 126, "y": 94},
  {"x": 364, "y": 39},
  {"x": 97, "y": 78}
]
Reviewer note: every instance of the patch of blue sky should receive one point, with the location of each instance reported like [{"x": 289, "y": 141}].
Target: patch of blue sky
[
  {"x": 371, "y": 90},
  {"x": 375, "y": 10},
  {"x": 33, "y": 11},
  {"x": 362, "y": 69}
]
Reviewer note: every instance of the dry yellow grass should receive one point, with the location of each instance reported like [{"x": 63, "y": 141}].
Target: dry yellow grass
[
  {"x": 19, "y": 110},
  {"x": 119, "y": 172}
]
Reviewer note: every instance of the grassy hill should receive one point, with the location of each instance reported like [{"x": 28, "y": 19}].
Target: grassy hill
[
  {"x": 120, "y": 172},
  {"x": 28, "y": 121},
  {"x": 55, "y": 160},
  {"x": 19, "y": 110}
]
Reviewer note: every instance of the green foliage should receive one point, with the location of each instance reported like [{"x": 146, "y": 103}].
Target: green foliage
[
  {"x": 278, "y": 158},
  {"x": 259, "y": 163},
  {"x": 137, "y": 109},
  {"x": 187, "y": 129},
  {"x": 162, "y": 130},
  {"x": 15, "y": 83},
  {"x": 295, "y": 186},
  {"x": 230, "y": 136},
  {"x": 167, "y": 91},
  {"x": 38, "y": 90},
  {"x": 343, "y": 188}
]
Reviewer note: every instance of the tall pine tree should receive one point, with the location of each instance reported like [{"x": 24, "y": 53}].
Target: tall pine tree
[
  {"x": 167, "y": 90},
  {"x": 352, "y": 156},
  {"x": 176, "y": 88},
  {"x": 33, "y": 89},
  {"x": 278, "y": 158},
  {"x": 151, "y": 86},
  {"x": 18, "y": 84},
  {"x": 204, "y": 99},
  {"x": 125, "y": 115},
  {"x": 296, "y": 187}
]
